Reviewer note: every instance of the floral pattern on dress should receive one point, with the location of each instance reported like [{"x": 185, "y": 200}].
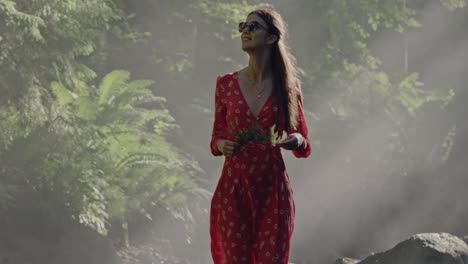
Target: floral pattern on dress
[{"x": 252, "y": 209}]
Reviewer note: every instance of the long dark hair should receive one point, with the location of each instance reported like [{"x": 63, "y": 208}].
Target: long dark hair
[{"x": 283, "y": 63}]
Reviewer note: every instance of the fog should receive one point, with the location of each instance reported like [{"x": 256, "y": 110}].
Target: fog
[
  {"x": 349, "y": 200},
  {"x": 346, "y": 205},
  {"x": 356, "y": 193},
  {"x": 378, "y": 173}
]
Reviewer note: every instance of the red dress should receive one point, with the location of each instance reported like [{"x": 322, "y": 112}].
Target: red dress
[{"x": 252, "y": 209}]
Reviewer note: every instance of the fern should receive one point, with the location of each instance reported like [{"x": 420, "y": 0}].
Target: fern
[
  {"x": 62, "y": 94},
  {"x": 111, "y": 84},
  {"x": 86, "y": 108}
]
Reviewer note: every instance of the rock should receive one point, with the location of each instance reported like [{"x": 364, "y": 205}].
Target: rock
[
  {"x": 427, "y": 248},
  {"x": 346, "y": 261}
]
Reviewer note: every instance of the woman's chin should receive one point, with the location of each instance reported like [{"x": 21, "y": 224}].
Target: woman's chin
[{"x": 246, "y": 48}]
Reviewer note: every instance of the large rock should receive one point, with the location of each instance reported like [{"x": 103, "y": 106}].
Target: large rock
[
  {"x": 427, "y": 248},
  {"x": 346, "y": 261}
]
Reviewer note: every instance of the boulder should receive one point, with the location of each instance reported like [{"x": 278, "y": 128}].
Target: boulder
[
  {"x": 346, "y": 261},
  {"x": 426, "y": 248}
]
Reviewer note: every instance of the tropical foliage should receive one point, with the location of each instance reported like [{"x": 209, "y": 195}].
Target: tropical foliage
[{"x": 80, "y": 149}]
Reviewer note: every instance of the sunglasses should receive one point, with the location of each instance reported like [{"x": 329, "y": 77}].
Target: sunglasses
[{"x": 251, "y": 26}]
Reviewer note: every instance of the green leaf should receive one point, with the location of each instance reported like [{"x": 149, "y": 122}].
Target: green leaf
[
  {"x": 86, "y": 108},
  {"x": 62, "y": 94},
  {"x": 111, "y": 84}
]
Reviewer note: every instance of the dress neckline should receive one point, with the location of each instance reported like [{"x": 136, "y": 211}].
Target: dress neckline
[{"x": 245, "y": 100}]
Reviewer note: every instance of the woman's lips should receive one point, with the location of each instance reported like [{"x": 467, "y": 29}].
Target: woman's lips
[{"x": 245, "y": 37}]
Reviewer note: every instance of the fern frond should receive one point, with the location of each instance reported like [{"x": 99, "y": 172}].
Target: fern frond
[
  {"x": 139, "y": 85},
  {"x": 34, "y": 22},
  {"x": 62, "y": 94},
  {"x": 110, "y": 83},
  {"x": 86, "y": 108},
  {"x": 142, "y": 158},
  {"x": 131, "y": 96}
]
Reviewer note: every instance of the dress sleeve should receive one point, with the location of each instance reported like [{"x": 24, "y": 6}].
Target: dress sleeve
[
  {"x": 219, "y": 124},
  {"x": 305, "y": 149}
]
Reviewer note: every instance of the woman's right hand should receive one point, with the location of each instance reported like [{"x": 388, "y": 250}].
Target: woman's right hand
[{"x": 227, "y": 147}]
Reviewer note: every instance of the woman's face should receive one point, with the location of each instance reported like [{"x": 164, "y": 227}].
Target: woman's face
[{"x": 258, "y": 37}]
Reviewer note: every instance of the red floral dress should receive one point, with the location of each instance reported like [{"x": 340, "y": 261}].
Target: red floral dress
[{"x": 252, "y": 209}]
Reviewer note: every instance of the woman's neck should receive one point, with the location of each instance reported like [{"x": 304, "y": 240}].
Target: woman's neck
[{"x": 259, "y": 68}]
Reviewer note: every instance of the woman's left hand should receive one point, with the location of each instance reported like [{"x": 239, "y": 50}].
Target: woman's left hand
[{"x": 293, "y": 141}]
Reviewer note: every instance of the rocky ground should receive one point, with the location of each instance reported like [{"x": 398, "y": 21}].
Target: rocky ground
[
  {"x": 79, "y": 245},
  {"x": 427, "y": 248}
]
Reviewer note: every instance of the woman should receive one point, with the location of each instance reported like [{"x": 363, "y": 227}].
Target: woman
[{"x": 252, "y": 209}]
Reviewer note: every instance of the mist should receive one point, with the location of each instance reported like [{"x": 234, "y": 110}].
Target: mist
[
  {"x": 389, "y": 138},
  {"x": 348, "y": 203},
  {"x": 353, "y": 196}
]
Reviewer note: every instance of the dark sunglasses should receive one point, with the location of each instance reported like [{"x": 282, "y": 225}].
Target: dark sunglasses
[{"x": 252, "y": 26}]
